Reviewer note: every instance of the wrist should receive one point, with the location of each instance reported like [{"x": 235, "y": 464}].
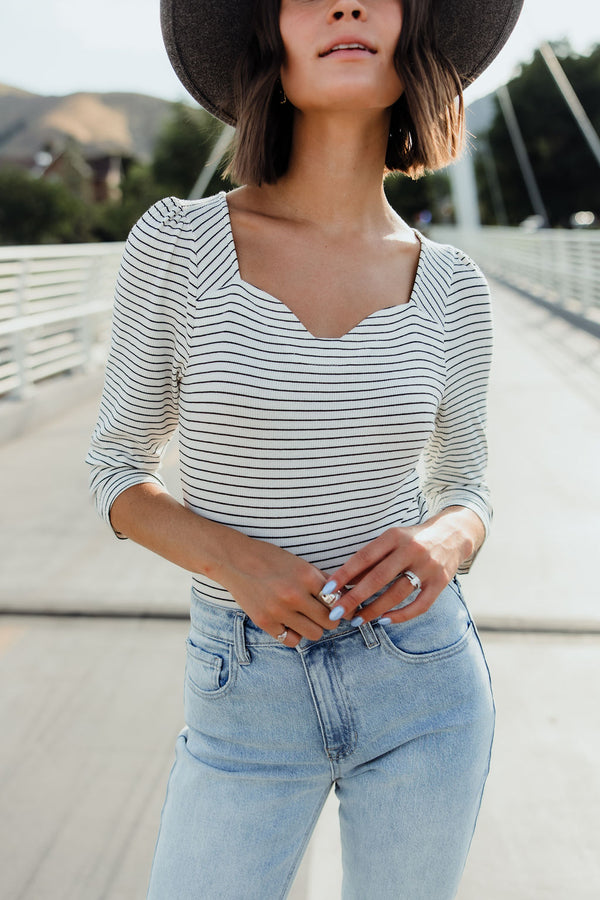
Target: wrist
[
  {"x": 228, "y": 552},
  {"x": 462, "y": 529}
]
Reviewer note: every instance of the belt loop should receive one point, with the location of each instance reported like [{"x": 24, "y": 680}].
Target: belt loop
[
  {"x": 239, "y": 640},
  {"x": 369, "y": 637}
]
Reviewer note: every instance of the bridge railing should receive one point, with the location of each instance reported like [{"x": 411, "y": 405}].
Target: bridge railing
[
  {"x": 55, "y": 304},
  {"x": 558, "y": 267},
  {"x": 55, "y": 301}
]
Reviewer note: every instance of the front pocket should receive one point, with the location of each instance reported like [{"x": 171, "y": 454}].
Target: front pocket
[
  {"x": 439, "y": 630},
  {"x": 429, "y": 655},
  {"x": 209, "y": 670}
]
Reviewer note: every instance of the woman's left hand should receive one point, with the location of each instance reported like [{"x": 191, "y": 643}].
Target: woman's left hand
[{"x": 433, "y": 551}]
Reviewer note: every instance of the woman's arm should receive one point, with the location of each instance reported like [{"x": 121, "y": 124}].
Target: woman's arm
[
  {"x": 139, "y": 408},
  {"x": 275, "y": 588},
  {"x": 434, "y": 550}
]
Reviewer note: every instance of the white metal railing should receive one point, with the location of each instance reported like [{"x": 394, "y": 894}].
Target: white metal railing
[
  {"x": 55, "y": 301},
  {"x": 558, "y": 266},
  {"x": 55, "y": 305}
]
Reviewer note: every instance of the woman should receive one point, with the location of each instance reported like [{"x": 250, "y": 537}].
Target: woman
[{"x": 315, "y": 351}]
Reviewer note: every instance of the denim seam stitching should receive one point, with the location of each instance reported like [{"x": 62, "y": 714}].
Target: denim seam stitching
[
  {"x": 432, "y": 655},
  {"x": 212, "y": 635},
  {"x": 344, "y": 754},
  {"x": 318, "y": 714},
  {"x": 219, "y": 691},
  {"x": 239, "y": 640}
]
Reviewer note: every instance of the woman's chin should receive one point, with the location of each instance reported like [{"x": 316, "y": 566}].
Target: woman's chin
[
  {"x": 357, "y": 103},
  {"x": 347, "y": 98}
]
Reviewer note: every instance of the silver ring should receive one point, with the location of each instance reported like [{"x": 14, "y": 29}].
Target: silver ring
[
  {"x": 330, "y": 599},
  {"x": 281, "y": 637},
  {"x": 414, "y": 579}
]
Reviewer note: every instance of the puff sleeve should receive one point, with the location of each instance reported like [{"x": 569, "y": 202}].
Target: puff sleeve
[
  {"x": 148, "y": 353},
  {"x": 455, "y": 457}
]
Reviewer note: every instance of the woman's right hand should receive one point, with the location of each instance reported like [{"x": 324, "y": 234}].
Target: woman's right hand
[
  {"x": 275, "y": 588},
  {"x": 278, "y": 591}
]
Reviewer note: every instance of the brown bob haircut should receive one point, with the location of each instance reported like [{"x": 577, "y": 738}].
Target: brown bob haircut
[{"x": 427, "y": 121}]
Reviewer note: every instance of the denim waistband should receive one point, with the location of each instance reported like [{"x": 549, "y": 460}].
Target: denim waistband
[{"x": 224, "y": 624}]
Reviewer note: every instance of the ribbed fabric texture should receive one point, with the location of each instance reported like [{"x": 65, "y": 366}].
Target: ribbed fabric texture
[{"x": 315, "y": 444}]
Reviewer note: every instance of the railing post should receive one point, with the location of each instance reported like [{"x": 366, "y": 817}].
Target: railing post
[
  {"x": 24, "y": 386},
  {"x": 86, "y": 326},
  {"x": 589, "y": 266}
]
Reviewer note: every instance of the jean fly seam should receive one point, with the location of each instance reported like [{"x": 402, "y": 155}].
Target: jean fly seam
[
  {"x": 318, "y": 713},
  {"x": 350, "y": 724},
  {"x": 349, "y": 735}
]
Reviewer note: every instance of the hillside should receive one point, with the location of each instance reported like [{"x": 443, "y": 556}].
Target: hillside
[{"x": 113, "y": 123}]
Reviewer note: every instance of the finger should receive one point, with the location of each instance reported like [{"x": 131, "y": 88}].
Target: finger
[
  {"x": 316, "y": 610},
  {"x": 299, "y": 608},
  {"x": 316, "y": 607},
  {"x": 361, "y": 561},
  {"x": 287, "y": 637},
  {"x": 307, "y": 605},
  {"x": 377, "y": 578},
  {"x": 420, "y": 605},
  {"x": 305, "y": 626},
  {"x": 394, "y": 596}
]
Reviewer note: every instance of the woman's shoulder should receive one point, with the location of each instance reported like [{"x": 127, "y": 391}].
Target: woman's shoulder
[
  {"x": 171, "y": 213},
  {"x": 187, "y": 235},
  {"x": 453, "y": 285},
  {"x": 454, "y": 260},
  {"x": 178, "y": 243}
]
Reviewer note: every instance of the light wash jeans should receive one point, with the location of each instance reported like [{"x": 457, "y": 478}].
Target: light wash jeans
[{"x": 399, "y": 718}]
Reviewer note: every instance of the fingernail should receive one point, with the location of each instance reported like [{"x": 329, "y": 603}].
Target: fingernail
[
  {"x": 384, "y": 621},
  {"x": 329, "y": 588},
  {"x": 336, "y": 613},
  {"x": 356, "y": 621}
]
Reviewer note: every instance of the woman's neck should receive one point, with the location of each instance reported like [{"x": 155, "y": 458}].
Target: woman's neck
[{"x": 335, "y": 175}]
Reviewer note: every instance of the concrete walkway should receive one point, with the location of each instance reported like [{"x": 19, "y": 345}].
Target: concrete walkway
[{"x": 90, "y": 708}]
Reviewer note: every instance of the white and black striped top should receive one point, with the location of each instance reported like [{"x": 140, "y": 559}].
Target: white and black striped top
[{"x": 315, "y": 444}]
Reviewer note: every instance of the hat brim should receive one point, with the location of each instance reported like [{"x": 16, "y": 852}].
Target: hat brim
[{"x": 204, "y": 38}]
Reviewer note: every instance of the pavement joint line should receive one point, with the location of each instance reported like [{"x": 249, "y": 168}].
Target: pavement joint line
[{"x": 483, "y": 624}]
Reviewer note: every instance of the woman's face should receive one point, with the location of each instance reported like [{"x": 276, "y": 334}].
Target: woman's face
[{"x": 318, "y": 73}]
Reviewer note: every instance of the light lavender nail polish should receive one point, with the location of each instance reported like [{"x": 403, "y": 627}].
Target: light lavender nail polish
[
  {"x": 384, "y": 621},
  {"x": 329, "y": 588},
  {"x": 356, "y": 621},
  {"x": 336, "y": 613}
]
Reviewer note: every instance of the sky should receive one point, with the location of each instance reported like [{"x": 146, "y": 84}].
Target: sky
[{"x": 63, "y": 46}]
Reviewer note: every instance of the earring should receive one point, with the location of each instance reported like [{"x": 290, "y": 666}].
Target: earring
[{"x": 282, "y": 97}]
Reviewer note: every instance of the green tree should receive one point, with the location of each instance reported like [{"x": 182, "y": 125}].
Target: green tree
[
  {"x": 139, "y": 190},
  {"x": 35, "y": 211},
  {"x": 183, "y": 148},
  {"x": 564, "y": 166},
  {"x": 411, "y": 199}
]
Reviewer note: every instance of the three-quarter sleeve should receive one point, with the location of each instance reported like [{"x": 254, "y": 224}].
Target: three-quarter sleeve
[
  {"x": 148, "y": 353},
  {"x": 455, "y": 457}
]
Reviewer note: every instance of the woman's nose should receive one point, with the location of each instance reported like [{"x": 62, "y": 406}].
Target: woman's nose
[{"x": 347, "y": 9}]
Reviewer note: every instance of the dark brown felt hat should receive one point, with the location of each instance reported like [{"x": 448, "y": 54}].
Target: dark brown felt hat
[{"x": 205, "y": 37}]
